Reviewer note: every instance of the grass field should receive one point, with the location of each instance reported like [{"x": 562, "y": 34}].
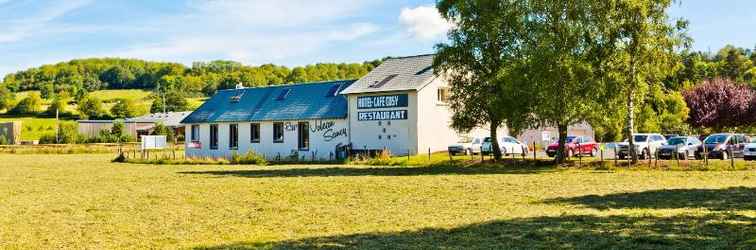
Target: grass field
[
  {"x": 33, "y": 127},
  {"x": 84, "y": 201}
]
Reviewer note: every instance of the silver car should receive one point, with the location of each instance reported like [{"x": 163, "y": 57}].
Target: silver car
[{"x": 684, "y": 146}]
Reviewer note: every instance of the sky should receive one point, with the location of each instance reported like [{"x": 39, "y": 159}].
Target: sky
[{"x": 285, "y": 32}]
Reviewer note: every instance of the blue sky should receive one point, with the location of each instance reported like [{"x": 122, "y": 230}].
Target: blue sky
[{"x": 288, "y": 32}]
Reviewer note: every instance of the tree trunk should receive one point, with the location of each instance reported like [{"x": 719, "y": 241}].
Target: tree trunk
[
  {"x": 495, "y": 148},
  {"x": 630, "y": 126},
  {"x": 562, "y": 151}
]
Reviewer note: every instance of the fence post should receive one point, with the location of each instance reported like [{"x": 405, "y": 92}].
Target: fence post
[
  {"x": 677, "y": 155},
  {"x": 450, "y": 155},
  {"x": 429, "y": 154},
  {"x": 482, "y": 158},
  {"x": 534, "y": 152},
  {"x": 616, "y": 156},
  {"x": 732, "y": 159},
  {"x": 705, "y": 156}
]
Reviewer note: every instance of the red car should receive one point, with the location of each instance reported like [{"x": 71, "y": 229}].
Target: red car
[{"x": 575, "y": 145}]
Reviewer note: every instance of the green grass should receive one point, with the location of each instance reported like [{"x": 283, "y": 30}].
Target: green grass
[
  {"x": 33, "y": 127},
  {"x": 84, "y": 201},
  {"x": 115, "y": 94}
]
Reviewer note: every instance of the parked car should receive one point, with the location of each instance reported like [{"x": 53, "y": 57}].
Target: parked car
[
  {"x": 646, "y": 145},
  {"x": 466, "y": 145},
  {"x": 575, "y": 145},
  {"x": 683, "y": 146},
  {"x": 723, "y": 146},
  {"x": 749, "y": 152},
  {"x": 508, "y": 144}
]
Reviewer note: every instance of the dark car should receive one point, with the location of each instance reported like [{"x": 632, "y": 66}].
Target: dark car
[
  {"x": 723, "y": 146},
  {"x": 575, "y": 145}
]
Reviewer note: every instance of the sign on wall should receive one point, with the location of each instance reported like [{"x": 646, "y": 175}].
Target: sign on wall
[
  {"x": 329, "y": 130},
  {"x": 382, "y": 115},
  {"x": 382, "y": 101}
]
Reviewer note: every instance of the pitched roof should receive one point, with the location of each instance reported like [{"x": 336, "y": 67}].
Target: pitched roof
[
  {"x": 274, "y": 103},
  {"x": 395, "y": 74},
  {"x": 170, "y": 119}
]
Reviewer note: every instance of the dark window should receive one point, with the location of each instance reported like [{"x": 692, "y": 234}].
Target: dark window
[
  {"x": 213, "y": 136},
  {"x": 443, "y": 95},
  {"x": 378, "y": 84},
  {"x": 233, "y": 136},
  {"x": 278, "y": 132},
  {"x": 254, "y": 132},
  {"x": 304, "y": 135},
  {"x": 195, "y": 132}
]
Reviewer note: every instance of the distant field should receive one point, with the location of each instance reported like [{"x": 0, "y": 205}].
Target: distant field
[
  {"x": 33, "y": 128},
  {"x": 86, "y": 202},
  {"x": 112, "y": 95}
]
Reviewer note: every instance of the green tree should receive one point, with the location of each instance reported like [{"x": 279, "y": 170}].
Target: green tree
[
  {"x": 161, "y": 129},
  {"x": 90, "y": 107},
  {"x": 125, "y": 108},
  {"x": 174, "y": 101},
  {"x": 29, "y": 105},
  {"x": 644, "y": 53},
  {"x": 59, "y": 104},
  {"x": 484, "y": 40},
  {"x": 7, "y": 98}
]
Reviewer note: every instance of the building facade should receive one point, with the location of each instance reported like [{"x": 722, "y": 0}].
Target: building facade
[{"x": 399, "y": 106}]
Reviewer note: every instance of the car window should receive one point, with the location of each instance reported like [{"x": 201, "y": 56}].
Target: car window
[
  {"x": 715, "y": 139},
  {"x": 658, "y": 138},
  {"x": 676, "y": 141},
  {"x": 640, "y": 138}
]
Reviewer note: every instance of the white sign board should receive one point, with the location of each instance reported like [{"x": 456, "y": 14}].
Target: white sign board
[{"x": 153, "y": 142}]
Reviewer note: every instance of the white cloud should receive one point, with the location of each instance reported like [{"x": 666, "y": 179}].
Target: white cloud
[
  {"x": 14, "y": 30},
  {"x": 424, "y": 22}
]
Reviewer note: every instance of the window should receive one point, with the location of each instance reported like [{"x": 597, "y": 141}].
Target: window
[
  {"x": 195, "y": 133},
  {"x": 303, "y": 129},
  {"x": 443, "y": 95},
  {"x": 213, "y": 136},
  {"x": 254, "y": 133},
  {"x": 233, "y": 136},
  {"x": 278, "y": 132}
]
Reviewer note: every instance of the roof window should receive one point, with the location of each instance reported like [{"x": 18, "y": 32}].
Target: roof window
[
  {"x": 378, "y": 84},
  {"x": 284, "y": 93}
]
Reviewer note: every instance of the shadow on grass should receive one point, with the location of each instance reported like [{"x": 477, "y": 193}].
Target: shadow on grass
[
  {"x": 713, "y": 231},
  {"x": 376, "y": 171},
  {"x": 734, "y": 198}
]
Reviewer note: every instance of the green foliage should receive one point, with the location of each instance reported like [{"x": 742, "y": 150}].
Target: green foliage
[
  {"x": 174, "y": 101},
  {"x": 7, "y": 98},
  {"x": 250, "y": 157},
  {"x": 59, "y": 104},
  {"x": 32, "y": 104},
  {"x": 116, "y": 134},
  {"x": 161, "y": 129},
  {"x": 125, "y": 108},
  {"x": 68, "y": 134},
  {"x": 4, "y": 140},
  {"x": 91, "y": 107}
]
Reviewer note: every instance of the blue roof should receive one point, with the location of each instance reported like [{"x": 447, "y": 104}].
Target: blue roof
[{"x": 302, "y": 101}]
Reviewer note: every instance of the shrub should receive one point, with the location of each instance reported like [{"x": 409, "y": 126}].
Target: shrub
[
  {"x": 90, "y": 108},
  {"x": 126, "y": 108},
  {"x": 69, "y": 134},
  {"x": 161, "y": 129},
  {"x": 248, "y": 158},
  {"x": 29, "y": 105}
]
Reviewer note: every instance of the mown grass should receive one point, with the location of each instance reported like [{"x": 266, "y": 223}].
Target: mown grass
[
  {"x": 114, "y": 94},
  {"x": 84, "y": 201}
]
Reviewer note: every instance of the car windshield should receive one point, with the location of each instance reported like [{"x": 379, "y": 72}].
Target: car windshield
[
  {"x": 570, "y": 139},
  {"x": 640, "y": 138},
  {"x": 676, "y": 141},
  {"x": 488, "y": 139},
  {"x": 715, "y": 139}
]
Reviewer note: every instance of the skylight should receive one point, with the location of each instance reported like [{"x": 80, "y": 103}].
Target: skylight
[
  {"x": 383, "y": 82},
  {"x": 334, "y": 90},
  {"x": 284, "y": 93}
]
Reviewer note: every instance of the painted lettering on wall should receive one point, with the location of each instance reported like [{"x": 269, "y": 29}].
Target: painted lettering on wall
[
  {"x": 328, "y": 130},
  {"x": 382, "y": 115},
  {"x": 382, "y": 101}
]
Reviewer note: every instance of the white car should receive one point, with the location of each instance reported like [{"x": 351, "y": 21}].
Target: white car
[
  {"x": 749, "y": 151},
  {"x": 646, "y": 145},
  {"x": 508, "y": 144},
  {"x": 466, "y": 146}
]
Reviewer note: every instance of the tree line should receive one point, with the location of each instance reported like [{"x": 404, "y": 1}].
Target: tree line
[
  {"x": 624, "y": 66},
  {"x": 174, "y": 82}
]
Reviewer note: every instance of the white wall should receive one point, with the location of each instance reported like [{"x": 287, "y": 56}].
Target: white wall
[
  {"x": 398, "y": 136},
  {"x": 322, "y": 147}
]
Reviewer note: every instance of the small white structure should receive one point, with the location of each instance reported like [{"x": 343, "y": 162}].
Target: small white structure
[
  {"x": 399, "y": 106},
  {"x": 153, "y": 142}
]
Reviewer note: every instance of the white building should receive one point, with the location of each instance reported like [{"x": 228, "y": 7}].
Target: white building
[{"x": 399, "y": 106}]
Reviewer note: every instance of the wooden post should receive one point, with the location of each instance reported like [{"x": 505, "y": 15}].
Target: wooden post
[
  {"x": 732, "y": 158},
  {"x": 534, "y": 151},
  {"x": 677, "y": 155},
  {"x": 482, "y": 158},
  {"x": 705, "y": 156},
  {"x": 450, "y": 155},
  {"x": 429, "y": 154},
  {"x": 616, "y": 157}
]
